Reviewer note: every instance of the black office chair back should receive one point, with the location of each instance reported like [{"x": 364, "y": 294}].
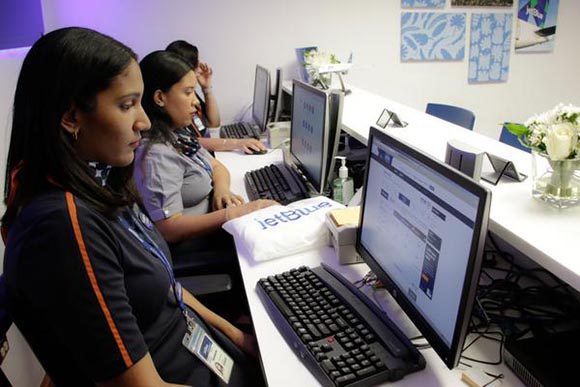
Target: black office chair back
[
  {"x": 454, "y": 114},
  {"x": 511, "y": 139},
  {"x": 5, "y": 324}
]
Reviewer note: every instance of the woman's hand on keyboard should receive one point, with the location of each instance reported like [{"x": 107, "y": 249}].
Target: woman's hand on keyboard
[
  {"x": 226, "y": 199},
  {"x": 237, "y": 211}
]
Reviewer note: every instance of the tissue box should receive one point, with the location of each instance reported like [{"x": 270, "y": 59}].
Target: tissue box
[{"x": 343, "y": 239}]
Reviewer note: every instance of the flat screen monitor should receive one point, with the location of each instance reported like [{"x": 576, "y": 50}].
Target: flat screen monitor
[
  {"x": 261, "y": 102},
  {"x": 422, "y": 232},
  {"x": 309, "y": 133},
  {"x": 335, "y": 103},
  {"x": 277, "y": 97}
]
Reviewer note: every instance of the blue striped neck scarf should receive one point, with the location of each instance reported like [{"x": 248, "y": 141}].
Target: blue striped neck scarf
[
  {"x": 186, "y": 142},
  {"x": 100, "y": 171}
]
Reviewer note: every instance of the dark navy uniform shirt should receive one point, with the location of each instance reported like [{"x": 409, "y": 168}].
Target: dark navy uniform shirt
[{"x": 89, "y": 299}]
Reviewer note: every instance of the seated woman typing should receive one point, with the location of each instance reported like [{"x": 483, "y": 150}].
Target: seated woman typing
[
  {"x": 208, "y": 112},
  {"x": 185, "y": 190},
  {"x": 89, "y": 279}
]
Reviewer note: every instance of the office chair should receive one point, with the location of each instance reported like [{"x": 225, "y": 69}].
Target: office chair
[
  {"x": 5, "y": 324},
  {"x": 204, "y": 276},
  {"x": 511, "y": 139},
  {"x": 211, "y": 273},
  {"x": 454, "y": 114}
]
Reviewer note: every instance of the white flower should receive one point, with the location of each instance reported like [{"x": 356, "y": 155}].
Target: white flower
[
  {"x": 318, "y": 58},
  {"x": 561, "y": 140},
  {"x": 555, "y": 132},
  {"x": 536, "y": 138},
  {"x": 313, "y": 60}
]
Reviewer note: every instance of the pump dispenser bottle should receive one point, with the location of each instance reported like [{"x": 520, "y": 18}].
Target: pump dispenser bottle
[{"x": 343, "y": 185}]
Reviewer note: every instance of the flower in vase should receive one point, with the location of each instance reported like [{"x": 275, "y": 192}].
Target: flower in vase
[
  {"x": 561, "y": 140},
  {"x": 553, "y": 133},
  {"x": 313, "y": 60}
]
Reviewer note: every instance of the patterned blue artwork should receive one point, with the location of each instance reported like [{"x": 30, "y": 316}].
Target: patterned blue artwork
[
  {"x": 422, "y": 3},
  {"x": 489, "y": 51},
  {"x": 427, "y": 36}
]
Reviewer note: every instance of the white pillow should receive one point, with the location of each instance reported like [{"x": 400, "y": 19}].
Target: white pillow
[{"x": 278, "y": 231}]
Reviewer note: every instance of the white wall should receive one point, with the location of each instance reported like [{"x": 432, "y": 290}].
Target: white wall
[{"x": 235, "y": 35}]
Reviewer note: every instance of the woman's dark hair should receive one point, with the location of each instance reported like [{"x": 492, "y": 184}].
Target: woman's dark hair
[
  {"x": 186, "y": 50},
  {"x": 161, "y": 70},
  {"x": 65, "y": 68}
]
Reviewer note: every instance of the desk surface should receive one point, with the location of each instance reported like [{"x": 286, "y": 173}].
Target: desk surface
[
  {"x": 282, "y": 367},
  {"x": 543, "y": 233}
]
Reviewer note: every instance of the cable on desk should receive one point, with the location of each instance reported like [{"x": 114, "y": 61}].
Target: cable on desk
[
  {"x": 509, "y": 257},
  {"x": 488, "y": 335},
  {"x": 514, "y": 301},
  {"x": 369, "y": 279},
  {"x": 522, "y": 300}
]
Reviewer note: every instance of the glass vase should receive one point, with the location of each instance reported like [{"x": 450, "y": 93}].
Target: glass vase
[{"x": 556, "y": 182}]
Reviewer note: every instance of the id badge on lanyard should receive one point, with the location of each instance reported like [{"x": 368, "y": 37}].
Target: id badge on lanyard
[
  {"x": 198, "y": 342},
  {"x": 196, "y": 339}
]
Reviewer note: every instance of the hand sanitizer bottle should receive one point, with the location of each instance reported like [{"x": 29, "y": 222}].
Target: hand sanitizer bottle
[{"x": 342, "y": 186}]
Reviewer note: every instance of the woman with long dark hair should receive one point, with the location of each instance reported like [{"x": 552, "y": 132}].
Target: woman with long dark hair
[
  {"x": 185, "y": 190},
  {"x": 207, "y": 108},
  {"x": 89, "y": 279}
]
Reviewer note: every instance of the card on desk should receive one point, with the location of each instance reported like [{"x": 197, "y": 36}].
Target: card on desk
[{"x": 344, "y": 216}]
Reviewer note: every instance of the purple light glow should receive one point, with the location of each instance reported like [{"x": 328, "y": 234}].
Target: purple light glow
[
  {"x": 20, "y": 23},
  {"x": 14, "y": 53}
]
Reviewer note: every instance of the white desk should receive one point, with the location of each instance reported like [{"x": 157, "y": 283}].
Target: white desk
[
  {"x": 282, "y": 367},
  {"x": 543, "y": 233}
]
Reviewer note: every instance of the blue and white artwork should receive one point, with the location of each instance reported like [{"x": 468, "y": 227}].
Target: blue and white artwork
[
  {"x": 422, "y": 3},
  {"x": 431, "y": 36},
  {"x": 489, "y": 51}
]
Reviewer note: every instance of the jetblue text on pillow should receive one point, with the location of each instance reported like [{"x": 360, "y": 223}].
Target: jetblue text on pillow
[{"x": 290, "y": 215}]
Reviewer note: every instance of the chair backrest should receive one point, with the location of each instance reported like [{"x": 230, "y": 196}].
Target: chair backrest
[
  {"x": 5, "y": 323},
  {"x": 454, "y": 114},
  {"x": 511, "y": 139},
  {"x": 5, "y": 320}
]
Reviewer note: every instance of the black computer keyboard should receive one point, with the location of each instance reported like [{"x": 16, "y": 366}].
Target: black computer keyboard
[
  {"x": 339, "y": 334},
  {"x": 239, "y": 130},
  {"x": 275, "y": 182}
]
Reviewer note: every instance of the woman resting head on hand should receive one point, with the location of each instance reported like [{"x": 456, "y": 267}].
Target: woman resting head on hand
[{"x": 207, "y": 110}]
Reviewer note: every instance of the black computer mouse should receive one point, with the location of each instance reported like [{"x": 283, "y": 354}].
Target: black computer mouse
[{"x": 258, "y": 152}]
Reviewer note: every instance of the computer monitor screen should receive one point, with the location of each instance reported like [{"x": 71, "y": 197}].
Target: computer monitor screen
[
  {"x": 335, "y": 103},
  {"x": 309, "y": 133},
  {"x": 277, "y": 97},
  {"x": 422, "y": 232},
  {"x": 261, "y": 101}
]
